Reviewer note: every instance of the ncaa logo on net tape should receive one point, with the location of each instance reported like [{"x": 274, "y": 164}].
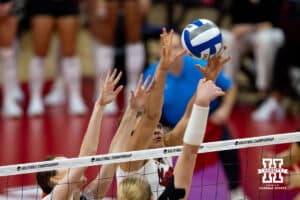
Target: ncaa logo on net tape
[{"x": 272, "y": 174}]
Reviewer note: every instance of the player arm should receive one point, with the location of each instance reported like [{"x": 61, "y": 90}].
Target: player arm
[
  {"x": 90, "y": 141},
  {"x": 101, "y": 184},
  {"x": 137, "y": 99},
  {"x": 125, "y": 129},
  {"x": 134, "y": 112},
  {"x": 65, "y": 187},
  {"x": 194, "y": 134},
  {"x": 290, "y": 156},
  {"x": 140, "y": 136},
  {"x": 107, "y": 95},
  {"x": 153, "y": 107}
]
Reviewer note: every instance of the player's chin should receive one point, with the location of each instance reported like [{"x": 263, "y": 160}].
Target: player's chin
[{"x": 157, "y": 143}]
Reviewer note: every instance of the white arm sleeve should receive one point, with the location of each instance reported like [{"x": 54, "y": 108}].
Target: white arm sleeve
[{"x": 195, "y": 130}]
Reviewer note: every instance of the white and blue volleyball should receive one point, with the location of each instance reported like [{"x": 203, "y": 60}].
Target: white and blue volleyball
[{"x": 202, "y": 38}]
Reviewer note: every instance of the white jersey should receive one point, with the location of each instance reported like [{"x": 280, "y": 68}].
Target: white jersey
[
  {"x": 156, "y": 173},
  {"x": 48, "y": 197}
]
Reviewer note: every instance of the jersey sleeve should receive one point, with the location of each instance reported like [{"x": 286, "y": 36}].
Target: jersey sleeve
[{"x": 171, "y": 192}]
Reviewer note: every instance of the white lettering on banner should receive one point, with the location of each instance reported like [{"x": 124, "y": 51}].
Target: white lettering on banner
[{"x": 34, "y": 167}]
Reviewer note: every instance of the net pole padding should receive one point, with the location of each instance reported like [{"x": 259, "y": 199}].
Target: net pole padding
[{"x": 103, "y": 159}]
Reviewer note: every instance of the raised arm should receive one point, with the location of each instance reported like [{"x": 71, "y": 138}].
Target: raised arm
[
  {"x": 90, "y": 141},
  {"x": 290, "y": 156},
  {"x": 99, "y": 186},
  {"x": 153, "y": 107},
  {"x": 152, "y": 112},
  {"x": 107, "y": 95},
  {"x": 193, "y": 137},
  {"x": 137, "y": 101}
]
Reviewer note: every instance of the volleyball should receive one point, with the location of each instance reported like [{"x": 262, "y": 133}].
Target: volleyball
[{"x": 201, "y": 38}]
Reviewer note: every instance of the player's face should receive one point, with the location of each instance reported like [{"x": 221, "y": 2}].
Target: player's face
[{"x": 157, "y": 139}]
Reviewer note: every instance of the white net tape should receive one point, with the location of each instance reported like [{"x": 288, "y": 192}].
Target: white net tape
[{"x": 147, "y": 154}]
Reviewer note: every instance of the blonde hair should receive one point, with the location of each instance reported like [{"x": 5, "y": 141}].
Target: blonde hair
[{"x": 134, "y": 188}]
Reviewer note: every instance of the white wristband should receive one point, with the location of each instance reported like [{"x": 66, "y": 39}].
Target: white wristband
[{"x": 195, "y": 129}]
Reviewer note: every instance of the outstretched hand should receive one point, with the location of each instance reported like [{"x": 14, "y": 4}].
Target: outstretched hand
[
  {"x": 206, "y": 92},
  {"x": 166, "y": 55},
  {"x": 214, "y": 65},
  {"x": 108, "y": 93},
  {"x": 138, "y": 98}
]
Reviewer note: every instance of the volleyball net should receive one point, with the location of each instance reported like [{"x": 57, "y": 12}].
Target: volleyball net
[{"x": 262, "y": 169}]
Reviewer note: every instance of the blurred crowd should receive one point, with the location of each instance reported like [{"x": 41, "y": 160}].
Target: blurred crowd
[{"x": 260, "y": 31}]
